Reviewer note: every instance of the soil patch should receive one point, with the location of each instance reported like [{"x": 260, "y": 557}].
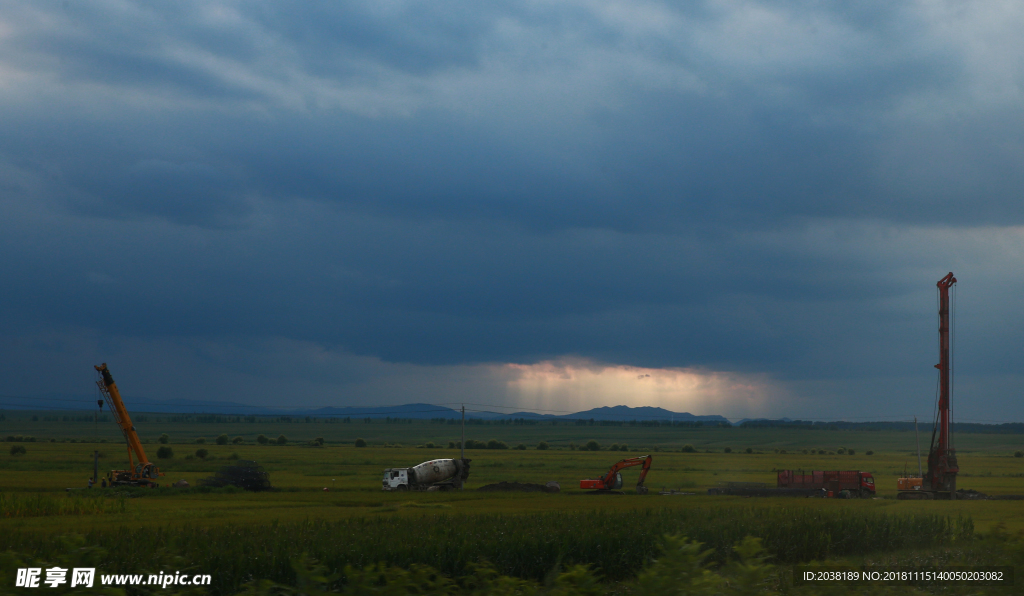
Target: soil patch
[{"x": 523, "y": 487}]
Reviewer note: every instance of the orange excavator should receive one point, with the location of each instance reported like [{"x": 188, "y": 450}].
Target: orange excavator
[
  {"x": 140, "y": 472},
  {"x": 613, "y": 479}
]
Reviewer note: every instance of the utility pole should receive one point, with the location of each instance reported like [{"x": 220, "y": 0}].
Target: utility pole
[
  {"x": 95, "y": 466},
  {"x": 462, "y": 445}
]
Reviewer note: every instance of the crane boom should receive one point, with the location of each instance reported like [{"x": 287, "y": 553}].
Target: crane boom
[{"x": 140, "y": 468}]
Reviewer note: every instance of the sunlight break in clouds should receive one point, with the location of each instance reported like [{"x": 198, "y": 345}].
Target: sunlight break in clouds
[{"x": 575, "y": 385}]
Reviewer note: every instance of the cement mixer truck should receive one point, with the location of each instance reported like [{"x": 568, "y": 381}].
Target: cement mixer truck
[{"x": 436, "y": 474}]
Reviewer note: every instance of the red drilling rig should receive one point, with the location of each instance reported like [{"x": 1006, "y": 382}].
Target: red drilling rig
[{"x": 940, "y": 480}]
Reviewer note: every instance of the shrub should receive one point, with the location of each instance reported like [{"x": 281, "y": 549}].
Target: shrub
[
  {"x": 728, "y": 449},
  {"x": 359, "y": 443},
  {"x": 201, "y": 441},
  {"x": 1015, "y": 453},
  {"x": 623, "y": 447},
  {"x": 614, "y": 447},
  {"x": 222, "y": 440},
  {"x": 18, "y": 450},
  {"x": 282, "y": 440},
  {"x": 592, "y": 445},
  {"x": 869, "y": 452},
  {"x": 688, "y": 448},
  {"x": 782, "y": 451},
  {"x": 542, "y": 446},
  {"x": 496, "y": 444},
  {"x": 521, "y": 447},
  {"x": 165, "y": 452},
  {"x": 164, "y": 439},
  {"x": 821, "y": 452},
  {"x": 429, "y": 445},
  {"x": 262, "y": 440},
  {"x": 233, "y": 456},
  {"x": 841, "y": 451},
  {"x": 237, "y": 440},
  {"x": 202, "y": 453},
  {"x": 851, "y": 452},
  {"x": 750, "y": 449}
]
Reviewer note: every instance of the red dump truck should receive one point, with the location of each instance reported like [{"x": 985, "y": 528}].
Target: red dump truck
[{"x": 860, "y": 484}]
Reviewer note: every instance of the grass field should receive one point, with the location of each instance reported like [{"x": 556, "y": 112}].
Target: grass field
[{"x": 35, "y": 506}]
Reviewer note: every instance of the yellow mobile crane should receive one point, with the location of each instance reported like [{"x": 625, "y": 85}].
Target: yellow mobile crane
[{"x": 141, "y": 472}]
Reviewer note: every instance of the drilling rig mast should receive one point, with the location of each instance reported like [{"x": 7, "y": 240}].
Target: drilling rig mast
[{"x": 939, "y": 482}]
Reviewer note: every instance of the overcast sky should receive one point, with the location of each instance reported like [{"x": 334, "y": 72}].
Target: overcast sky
[{"x": 722, "y": 207}]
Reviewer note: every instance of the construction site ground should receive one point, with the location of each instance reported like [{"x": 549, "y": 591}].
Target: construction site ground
[{"x": 353, "y": 475}]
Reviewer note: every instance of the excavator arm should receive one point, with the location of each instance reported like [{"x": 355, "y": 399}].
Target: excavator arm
[
  {"x": 140, "y": 468},
  {"x": 613, "y": 480}
]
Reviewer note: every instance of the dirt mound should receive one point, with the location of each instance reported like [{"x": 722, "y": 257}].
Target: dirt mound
[
  {"x": 973, "y": 495},
  {"x": 244, "y": 474},
  {"x": 523, "y": 487}
]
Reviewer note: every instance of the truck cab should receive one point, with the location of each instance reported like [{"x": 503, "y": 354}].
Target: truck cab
[
  {"x": 867, "y": 484},
  {"x": 396, "y": 479}
]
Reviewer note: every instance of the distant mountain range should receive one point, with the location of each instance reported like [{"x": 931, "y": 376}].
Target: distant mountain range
[
  {"x": 420, "y": 411},
  {"x": 416, "y": 410}
]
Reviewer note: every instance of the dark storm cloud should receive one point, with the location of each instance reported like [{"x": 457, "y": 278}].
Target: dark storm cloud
[
  {"x": 744, "y": 186},
  {"x": 773, "y": 132}
]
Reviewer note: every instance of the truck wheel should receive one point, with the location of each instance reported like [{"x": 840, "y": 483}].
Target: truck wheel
[{"x": 402, "y": 488}]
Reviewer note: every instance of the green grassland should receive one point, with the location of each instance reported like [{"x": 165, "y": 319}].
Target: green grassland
[
  {"x": 185, "y": 429},
  {"x": 352, "y": 475}
]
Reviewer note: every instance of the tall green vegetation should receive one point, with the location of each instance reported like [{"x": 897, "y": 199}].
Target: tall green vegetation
[
  {"x": 524, "y": 546},
  {"x": 15, "y": 505}
]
